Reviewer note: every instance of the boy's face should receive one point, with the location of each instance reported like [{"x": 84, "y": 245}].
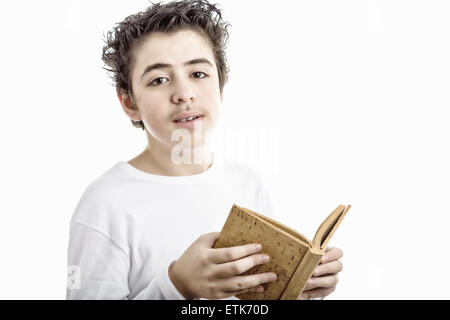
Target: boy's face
[{"x": 161, "y": 93}]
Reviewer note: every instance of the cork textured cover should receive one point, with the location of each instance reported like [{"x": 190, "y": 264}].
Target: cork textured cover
[{"x": 286, "y": 251}]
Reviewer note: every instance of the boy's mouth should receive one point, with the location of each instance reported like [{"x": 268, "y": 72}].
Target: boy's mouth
[
  {"x": 187, "y": 116},
  {"x": 188, "y": 120}
]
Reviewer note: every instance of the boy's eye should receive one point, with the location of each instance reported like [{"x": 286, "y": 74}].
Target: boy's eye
[
  {"x": 157, "y": 81},
  {"x": 198, "y": 73}
]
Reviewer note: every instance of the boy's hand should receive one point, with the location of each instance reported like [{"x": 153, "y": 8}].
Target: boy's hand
[
  {"x": 206, "y": 272},
  {"x": 325, "y": 277}
]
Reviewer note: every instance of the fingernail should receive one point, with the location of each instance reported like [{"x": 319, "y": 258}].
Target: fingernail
[
  {"x": 324, "y": 259},
  {"x": 265, "y": 259},
  {"x": 273, "y": 276},
  {"x": 257, "y": 246}
]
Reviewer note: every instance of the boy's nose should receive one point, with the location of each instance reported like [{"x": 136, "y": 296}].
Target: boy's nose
[{"x": 183, "y": 94}]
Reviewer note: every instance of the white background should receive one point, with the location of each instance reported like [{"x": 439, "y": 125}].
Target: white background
[{"x": 338, "y": 102}]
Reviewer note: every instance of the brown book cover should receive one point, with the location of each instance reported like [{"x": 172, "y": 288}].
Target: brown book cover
[{"x": 292, "y": 257}]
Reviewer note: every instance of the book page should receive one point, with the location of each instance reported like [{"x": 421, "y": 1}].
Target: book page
[
  {"x": 280, "y": 226},
  {"x": 328, "y": 227}
]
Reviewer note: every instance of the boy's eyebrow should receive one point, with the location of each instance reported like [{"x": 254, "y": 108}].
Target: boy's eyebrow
[{"x": 166, "y": 65}]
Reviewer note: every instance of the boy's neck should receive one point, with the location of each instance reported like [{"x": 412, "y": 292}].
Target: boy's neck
[{"x": 158, "y": 160}]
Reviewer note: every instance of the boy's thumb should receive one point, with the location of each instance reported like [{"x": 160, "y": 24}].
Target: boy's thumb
[{"x": 210, "y": 238}]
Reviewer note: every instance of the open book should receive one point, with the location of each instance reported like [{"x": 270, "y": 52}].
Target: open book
[{"x": 292, "y": 257}]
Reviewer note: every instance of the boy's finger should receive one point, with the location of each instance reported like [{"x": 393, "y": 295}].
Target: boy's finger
[
  {"x": 239, "y": 266},
  {"x": 227, "y": 294},
  {"x": 328, "y": 268},
  {"x": 258, "y": 288},
  {"x": 316, "y": 293},
  {"x": 223, "y": 255},
  {"x": 254, "y": 289},
  {"x": 323, "y": 282},
  {"x": 332, "y": 254},
  {"x": 310, "y": 284},
  {"x": 238, "y": 283}
]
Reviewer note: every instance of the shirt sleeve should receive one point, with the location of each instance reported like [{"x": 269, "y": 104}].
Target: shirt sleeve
[
  {"x": 161, "y": 288},
  {"x": 98, "y": 270}
]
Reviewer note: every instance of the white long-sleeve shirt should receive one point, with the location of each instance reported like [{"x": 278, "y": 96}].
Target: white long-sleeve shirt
[{"x": 129, "y": 226}]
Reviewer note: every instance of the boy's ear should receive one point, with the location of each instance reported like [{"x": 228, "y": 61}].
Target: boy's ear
[{"x": 128, "y": 105}]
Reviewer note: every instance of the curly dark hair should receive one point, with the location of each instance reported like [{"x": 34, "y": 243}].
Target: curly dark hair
[{"x": 197, "y": 15}]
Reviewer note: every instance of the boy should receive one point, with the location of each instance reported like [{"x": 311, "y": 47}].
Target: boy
[{"x": 131, "y": 228}]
